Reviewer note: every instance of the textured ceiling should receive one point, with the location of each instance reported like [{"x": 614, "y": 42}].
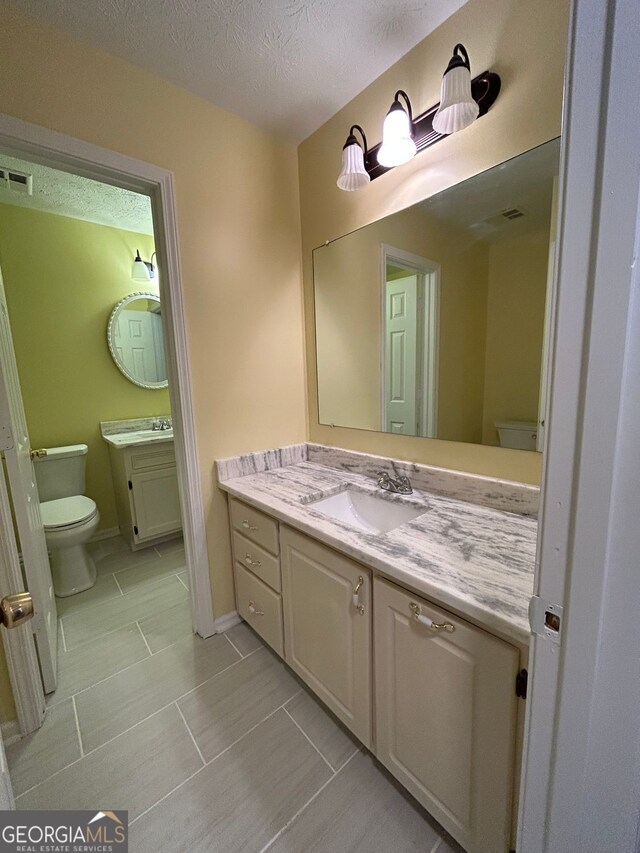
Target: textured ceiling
[
  {"x": 285, "y": 65},
  {"x": 80, "y": 198}
]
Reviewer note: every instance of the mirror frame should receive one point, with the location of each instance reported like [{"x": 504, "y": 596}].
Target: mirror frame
[{"x": 127, "y": 300}]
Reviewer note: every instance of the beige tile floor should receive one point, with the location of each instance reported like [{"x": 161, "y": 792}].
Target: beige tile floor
[{"x": 211, "y": 745}]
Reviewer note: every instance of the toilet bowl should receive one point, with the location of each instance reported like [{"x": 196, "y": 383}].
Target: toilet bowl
[
  {"x": 70, "y": 518},
  {"x": 69, "y": 523}
]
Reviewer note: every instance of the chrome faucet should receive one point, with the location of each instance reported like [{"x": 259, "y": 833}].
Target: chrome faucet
[
  {"x": 161, "y": 424},
  {"x": 400, "y": 486}
]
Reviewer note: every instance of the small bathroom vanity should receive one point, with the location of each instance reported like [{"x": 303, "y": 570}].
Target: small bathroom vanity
[
  {"x": 405, "y": 614},
  {"x": 145, "y": 479}
]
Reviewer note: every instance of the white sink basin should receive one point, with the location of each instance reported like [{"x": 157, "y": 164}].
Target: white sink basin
[
  {"x": 366, "y": 511},
  {"x": 151, "y": 434},
  {"x": 143, "y": 436}
]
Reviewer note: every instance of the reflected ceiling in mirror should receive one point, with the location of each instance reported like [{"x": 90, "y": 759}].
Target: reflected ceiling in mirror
[
  {"x": 136, "y": 340},
  {"x": 431, "y": 321}
]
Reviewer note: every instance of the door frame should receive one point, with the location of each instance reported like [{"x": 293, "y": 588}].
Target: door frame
[
  {"x": 31, "y": 142},
  {"x": 580, "y": 785},
  {"x": 430, "y": 340}
]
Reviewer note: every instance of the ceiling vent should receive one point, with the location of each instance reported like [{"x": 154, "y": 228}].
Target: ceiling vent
[
  {"x": 512, "y": 213},
  {"x": 16, "y": 182}
]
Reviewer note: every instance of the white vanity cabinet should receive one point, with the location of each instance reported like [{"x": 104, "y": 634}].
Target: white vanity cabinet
[
  {"x": 145, "y": 482},
  {"x": 327, "y": 611},
  {"x": 430, "y": 694},
  {"x": 446, "y": 715}
]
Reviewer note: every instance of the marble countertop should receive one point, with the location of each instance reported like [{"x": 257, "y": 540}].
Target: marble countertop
[
  {"x": 135, "y": 431},
  {"x": 131, "y": 439},
  {"x": 475, "y": 560}
]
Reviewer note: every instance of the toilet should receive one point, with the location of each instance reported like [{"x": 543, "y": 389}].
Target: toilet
[
  {"x": 69, "y": 517},
  {"x": 520, "y": 435}
]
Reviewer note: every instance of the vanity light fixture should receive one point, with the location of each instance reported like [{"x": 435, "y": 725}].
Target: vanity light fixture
[
  {"x": 142, "y": 270},
  {"x": 398, "y": 145},
  {"x": 463, "y": 100},
  {"x": 457, "y": 108},
  {"x": 354, "y": 174}
]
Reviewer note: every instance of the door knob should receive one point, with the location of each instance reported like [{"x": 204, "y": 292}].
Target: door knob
[{"x": 16, "y": 609}]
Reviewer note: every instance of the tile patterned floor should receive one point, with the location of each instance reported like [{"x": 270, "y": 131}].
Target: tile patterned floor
[{"x": 211, "y": 745}]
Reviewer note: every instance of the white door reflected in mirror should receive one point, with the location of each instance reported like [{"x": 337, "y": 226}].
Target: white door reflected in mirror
[{"x": 136, "y": 341}]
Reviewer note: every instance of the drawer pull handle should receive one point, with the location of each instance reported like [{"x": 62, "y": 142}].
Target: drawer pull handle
[
  {"x": 253, "y": 611},
  {"x": 248, "y": 526},
  {"x": 424, "y": 620},
  {"x": 250, "y": 561},
  {"x": 356, "y": 596}
]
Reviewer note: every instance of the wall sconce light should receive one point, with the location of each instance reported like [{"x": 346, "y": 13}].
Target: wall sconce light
[
  {"x": 462, "y": 101},
  {"x": 142, "y": 270},
  {"x": 354, "y": 174},
  {"x": 398, "y": 145},
  {"x": 457, "y": 108}
]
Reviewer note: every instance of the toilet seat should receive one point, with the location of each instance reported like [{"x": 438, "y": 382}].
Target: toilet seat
[{"x": 67, "y": 512}]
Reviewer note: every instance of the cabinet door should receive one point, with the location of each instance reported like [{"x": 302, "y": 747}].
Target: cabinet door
[
  {"x": 445, "y": 717},
  {"x": 156, "y": 503},
  {"x": 327, "y": 639}
]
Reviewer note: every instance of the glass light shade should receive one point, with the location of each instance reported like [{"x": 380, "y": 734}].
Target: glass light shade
[
  {"x": 353, "y": 175},
  {"x": 397, "y": 146},
  {"x": 139, "y": 270},
  {"x": 457, "y": 108}
]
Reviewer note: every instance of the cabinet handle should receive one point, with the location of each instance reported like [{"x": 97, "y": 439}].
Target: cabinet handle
[
  {"x": 424, "y": 620},
  {"x": 356, "y": 596},
  {"x": 253, "y": 611},
  {"x": 248, "y": 526},
  {"x": 250, "y": 561}
]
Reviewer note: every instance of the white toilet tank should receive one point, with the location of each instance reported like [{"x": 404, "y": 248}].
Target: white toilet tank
[
  {"x": 519, "y": 435},
  {"x": 60, "y": 474}
]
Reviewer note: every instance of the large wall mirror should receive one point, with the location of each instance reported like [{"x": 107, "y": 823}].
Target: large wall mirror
[
  {"x": 136, "y": 340},
  {"x": 431, "y": 321}
]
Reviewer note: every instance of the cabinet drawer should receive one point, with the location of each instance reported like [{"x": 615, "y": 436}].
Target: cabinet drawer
[
  {"x": 259, "y": 561},
  {"x": 261, "y": 607},
  {"x": 157, "y": 457},
  {"x": 255, "y": 525}
]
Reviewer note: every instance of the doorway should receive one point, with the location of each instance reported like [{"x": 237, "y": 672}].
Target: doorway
[
  {"x": 19, "y": 139},
  {"x": 410, "y": 287}
]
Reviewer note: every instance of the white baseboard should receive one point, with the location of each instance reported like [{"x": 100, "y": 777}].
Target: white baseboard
[
  {"x": 10, "y": 732},
  {"x": 223, "y": 623},
  {"x": 109, "y": 533}
]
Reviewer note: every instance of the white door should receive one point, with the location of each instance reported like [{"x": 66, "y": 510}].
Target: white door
[
  {"x": 135, "y": 344},
  {"x": 24, "y": 494},
  {"x": 401, "y": 356}
]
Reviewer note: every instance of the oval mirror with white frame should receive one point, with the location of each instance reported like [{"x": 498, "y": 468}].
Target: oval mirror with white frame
[{"x": 136, "y": 340}]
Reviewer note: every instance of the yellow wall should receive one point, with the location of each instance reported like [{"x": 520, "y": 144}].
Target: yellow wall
[
  {"x": 62, "y": 278},
  {"x": 515, "y": 321},
  {"x": 238, "y": 222},
  {"x": 525, "y": 43},
  {"x": 348, "y": 315}
]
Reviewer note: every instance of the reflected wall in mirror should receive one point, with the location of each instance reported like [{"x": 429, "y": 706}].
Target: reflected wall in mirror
[
  {"x": 431, "y": 321},
  {"x": 136, "y": 340}
]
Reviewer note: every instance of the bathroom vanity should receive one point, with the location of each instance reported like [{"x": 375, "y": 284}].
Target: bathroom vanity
[
  {"x": 145, "y": 480},
  {"x": 406, "y": 615}
]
